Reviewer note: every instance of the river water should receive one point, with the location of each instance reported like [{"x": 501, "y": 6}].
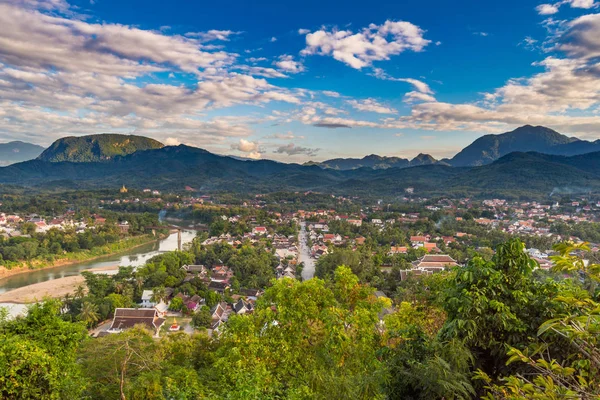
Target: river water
[{"x": 134, "y": 257}]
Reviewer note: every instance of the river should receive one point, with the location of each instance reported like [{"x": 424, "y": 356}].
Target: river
[{"x": 134, "y": 257}]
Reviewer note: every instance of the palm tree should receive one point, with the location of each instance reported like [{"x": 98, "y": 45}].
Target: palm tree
[
  {"x": 79, "y": 292},
  {"x": 89, "y": 313},
  {"x": 139, "y": 283},
  {"x": 158, "y": 294},
  {"x": 67, "y": 300}
]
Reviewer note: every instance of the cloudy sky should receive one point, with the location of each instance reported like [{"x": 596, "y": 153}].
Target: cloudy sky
[{"x": 294, "y": 81}]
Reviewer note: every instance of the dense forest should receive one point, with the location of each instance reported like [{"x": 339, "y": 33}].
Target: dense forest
[{"x": 495, "y": 328}]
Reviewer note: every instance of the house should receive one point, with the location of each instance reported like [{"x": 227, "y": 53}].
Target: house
[
  {"x": 259, "y": 230},
  {"x": 242, "y": 307},
  {"x": 332, "y": 238},
  {"x": 417, "y": 241},
  {"x": 405, "y": 274},
  {"x": 162, "y": 308},
  {"x": 219, "y": 287},
  {"x": 435, "y": 263},
  {"x": 251, "y": 294},
  {"x": 355, "y": 222},
  {"x": 219, "y": 315},
  {"x": 127, "y": 318},
  {"x": 147, "y": 299},
  {"x": 124, "y": 227},
  {"x": 397, "y": 250},
  {"x": 196, "y": 270},
  {"x": 221, "y": 273},
  {"x": 430, "y": 247}
]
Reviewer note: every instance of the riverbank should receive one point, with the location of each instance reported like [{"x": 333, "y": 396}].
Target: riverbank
[
  {"x": 80, "y": 257},
  {"x": 56, "y": 288}
]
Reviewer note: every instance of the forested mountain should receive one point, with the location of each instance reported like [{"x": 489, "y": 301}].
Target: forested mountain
[
  {"x": 13, "y": 152},
  {"x": 102, "y": 147},
  {"x": 174, "y": 167},
  {"x": 484, "y": 150},
  {"x": 540, "y": 139}
]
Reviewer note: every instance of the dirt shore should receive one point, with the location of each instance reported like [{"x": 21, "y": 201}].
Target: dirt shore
[{"x": 55, "y": 288}]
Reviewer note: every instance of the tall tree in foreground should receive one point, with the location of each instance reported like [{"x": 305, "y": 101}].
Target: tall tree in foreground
[
  {"x": 576, "y": 376},
  {"x": 37, "y": 355},
  {"x": 494, "y": 304},
  {"x": 304, "y": 340}
]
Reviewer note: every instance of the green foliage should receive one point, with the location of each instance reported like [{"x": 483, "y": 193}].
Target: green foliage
[
  {"x": 37, "y": 355},
  {"x": 202, "y": 318},
  {"x": 576, "y": 376},
  {"x": 100, "y": 147},
  {"x": 494, "y": 304}
]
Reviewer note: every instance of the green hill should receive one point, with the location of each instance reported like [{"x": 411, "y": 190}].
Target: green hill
[{"x": 102, "y": 147}]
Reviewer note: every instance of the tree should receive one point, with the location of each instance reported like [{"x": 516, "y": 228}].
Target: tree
[
  {"x": 304, "y": 340},
  {"x": 37, "y": 355},
  {"x": 176, "y": 304},
  {"x": 79, "y": 292},
  {"x": 158, "y": 294},
  {"x": 88, "y": 313},
  {"x": 202, "y": 318},
  {"x": 576, "y": 376},
  {"x": 492, "y": 305},
  {"x": 114, "y": 361}
]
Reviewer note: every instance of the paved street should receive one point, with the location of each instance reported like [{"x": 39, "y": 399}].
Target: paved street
[{"x": 309, "y": 263}]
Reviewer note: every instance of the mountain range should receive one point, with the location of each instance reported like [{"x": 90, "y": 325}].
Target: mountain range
[
  {"x": 13, "y": 152},
  {"x": 516, "y": 175},
  {"x": 488, "y": 167},
  {"x": 482, "y": 151}
]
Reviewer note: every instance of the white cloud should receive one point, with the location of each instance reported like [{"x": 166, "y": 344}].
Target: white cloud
[
  {"x": 62, "y": 76},
  {"x": 582, "y": 38},
  {"x": 417, "y": 84},
  {"x": 330, "y": 93},
  {"x": 413, "y": 97},
  {"x": 245, "y": 146},
  {"x": 273, "y": 39},
  {"x": 213, "y": 34},
  {"x": 550, "y": 9},
  {"x": 171, "y": 141},
  {"x": 303, "y": 31},
  {"x": 287, "y": 64},
  {"x": 371, "y": 105},
  {"x": 256, "y": 59},
  {"x": 546, "y": 9},
  {"x": 284, "y": 136},
  {"x": 587, "y": 4},
  {"x": 374, "y": 43}
]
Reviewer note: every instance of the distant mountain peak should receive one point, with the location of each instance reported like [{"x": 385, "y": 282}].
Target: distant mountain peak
[
  {"x": 541, "y": 139},
  {"x": 18, "y": 151},
  {"x": 100, "y": 147},
  {"x": 423, "y": 158}
]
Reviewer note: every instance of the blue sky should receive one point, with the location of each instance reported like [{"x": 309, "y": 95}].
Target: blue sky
[{"x": 294, "y": 81}]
